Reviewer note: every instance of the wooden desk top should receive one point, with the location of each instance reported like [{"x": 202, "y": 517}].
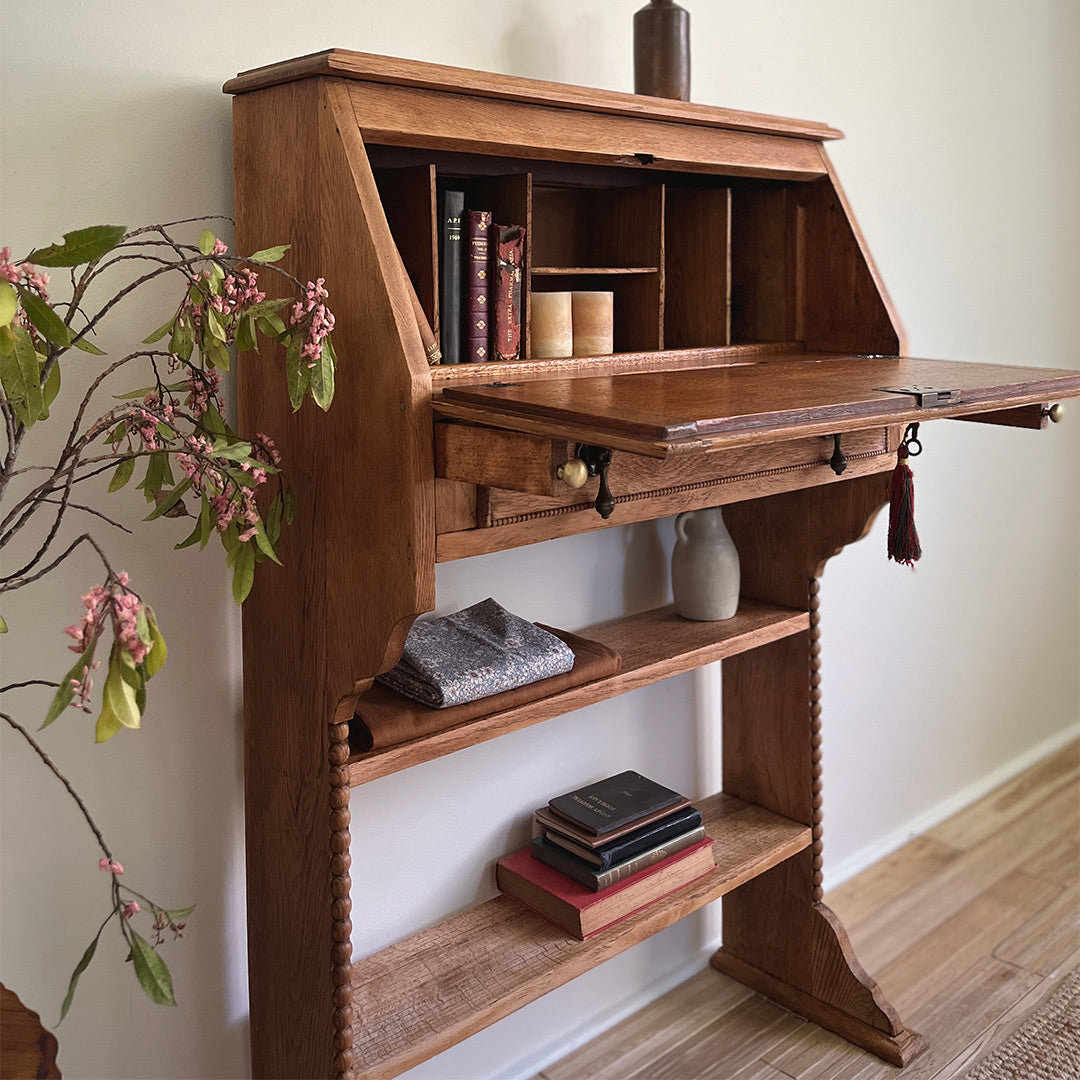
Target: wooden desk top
[{"x": 661, "y": 412}]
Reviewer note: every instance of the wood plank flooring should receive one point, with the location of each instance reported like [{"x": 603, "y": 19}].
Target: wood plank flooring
[{"x": 967, "y": 929}]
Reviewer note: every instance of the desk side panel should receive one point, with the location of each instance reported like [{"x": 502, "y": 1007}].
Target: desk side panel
[{"x": 358, "y": 559}]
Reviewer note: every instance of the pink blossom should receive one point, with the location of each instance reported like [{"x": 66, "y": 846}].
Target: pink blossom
[
  {"x": 130, "y": 908},
  {"x": 219, "y": 248},
  {"x": 115, "y": 603},
  {"x": 8, "y": 270},
  {"x": 320, "y": 319},
  {"x": 111, "y": 865},
  {"x": 263, "y": 448},
  {"x": 202, "y": 390}
]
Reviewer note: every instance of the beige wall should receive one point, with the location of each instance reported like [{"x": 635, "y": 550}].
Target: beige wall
[{"x": 961, "y": 162}]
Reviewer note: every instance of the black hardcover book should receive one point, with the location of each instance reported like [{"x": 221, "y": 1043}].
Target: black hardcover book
[
  {"x": 609, "y": 804},
  {"x": 596, "y": 880},
  {"x": 633, "y": 843},
  {"x": 451, "y": 258}
]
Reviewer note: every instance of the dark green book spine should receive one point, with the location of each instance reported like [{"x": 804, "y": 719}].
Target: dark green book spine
[{"x": 451, "y": 255}]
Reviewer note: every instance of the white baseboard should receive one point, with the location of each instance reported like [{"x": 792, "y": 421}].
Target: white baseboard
[
  {"x": 916, "y": 826},
  {"x": 527, "y": 1067}
]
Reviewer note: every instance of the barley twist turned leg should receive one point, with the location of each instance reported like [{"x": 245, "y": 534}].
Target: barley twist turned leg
[{"x": 341, "y": 906}]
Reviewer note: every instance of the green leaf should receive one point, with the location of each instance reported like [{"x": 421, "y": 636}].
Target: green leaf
[
  {"x": 20, "y": 375},
  {"x": 151, "y": 971},
  {"x": 322, "y": 377},
  {"x": 264, "y": 544},
  {"x": 237, "y": 451},
  {"x": 154, "y": 480},
  {"x": 160, "y": 332},
  {"x": 65, "y": 692},
  {"x": 192, "y": 537},
  {"x": 80, "y": 246},
  {"x": 270, "y": 254},
  {"x": 245, "y": 334},
  {"x": 50, "y": 324},
  {"x": 207, "y": 240},
  {"x": 206, "y": 522},
  {"x": 9, "y": 303},
  {"x": 80, "y": 967},
  {"x": 3, "y": 625},
  {"x": 289, "y": 507},
  {"x": 119, "y": 694},
  {"x": 272, "y": 326},
  {"x": 169, "y": 501},
  {"x": 213, "y": 321},
  {"x": 176, "y": 914},
  {"x": 122, "y": 474},
  {"x": 7, "y": 341},
  {"x": 212, "y": 421},
  {"x": 88, "y": 347},
  {"x": 51, "y": 387},
  {"x": 243, "y": 572},
  {"x": 268, "y": 307},
  {"x": 297, "y": 374},
  {"x": 159, "y": 653},
  {"x": 107, "y": 725},
  {"x": 182, "y": 341},
  {"x": 273, "y": 519}
]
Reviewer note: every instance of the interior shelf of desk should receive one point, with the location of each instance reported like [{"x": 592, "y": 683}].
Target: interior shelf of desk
[
  {"x": 426, "y": 993},
  {"x": 652, "y": 645}
]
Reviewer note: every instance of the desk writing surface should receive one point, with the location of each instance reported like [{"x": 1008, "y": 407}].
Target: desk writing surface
[{"x": 708, "y": 408}]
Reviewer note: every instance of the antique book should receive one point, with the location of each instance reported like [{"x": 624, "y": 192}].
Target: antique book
[
  {"x": 666, "y": 829},
  {"x": 477, "y": 286},
  {"x": 553, "y": 823},
  {"x": 450, "y": 275},
  {"x": 508, "y": 255},
  {"x": 613, "y": 802},
  {"x": 600, "y": 880},
  {"x": 582, "y": 912}
]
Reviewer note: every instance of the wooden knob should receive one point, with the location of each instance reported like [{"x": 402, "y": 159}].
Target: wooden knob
[
  {"x": 574, "y": 473},
  {"x": 1055, "y": 412}
]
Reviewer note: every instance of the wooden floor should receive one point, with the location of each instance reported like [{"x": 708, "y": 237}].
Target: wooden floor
[{"x": 966, "y": 929}]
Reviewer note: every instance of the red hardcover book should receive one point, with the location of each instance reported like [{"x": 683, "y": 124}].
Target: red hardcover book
[
  {"x": 582, "y": 912},
  {"x": 477, "y": 287},
  {"x": 508, "y": 251}
]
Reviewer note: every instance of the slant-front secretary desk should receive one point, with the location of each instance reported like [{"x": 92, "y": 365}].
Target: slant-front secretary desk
[{"x": 752, "y": 338}]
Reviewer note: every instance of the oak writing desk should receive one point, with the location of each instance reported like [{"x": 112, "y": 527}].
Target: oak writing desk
[{"x": 752, "y": 338}]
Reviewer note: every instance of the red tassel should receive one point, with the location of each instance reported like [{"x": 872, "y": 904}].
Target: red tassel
[{"x": 903, "y": 539}]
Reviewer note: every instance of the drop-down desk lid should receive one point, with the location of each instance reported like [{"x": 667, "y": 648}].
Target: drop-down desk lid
[{"x": 699, "y": 410}]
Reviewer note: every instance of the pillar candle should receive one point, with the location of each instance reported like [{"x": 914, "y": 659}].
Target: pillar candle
[
  {"x": 593, "y": 317},
  {"x": 552, "y": 325}
]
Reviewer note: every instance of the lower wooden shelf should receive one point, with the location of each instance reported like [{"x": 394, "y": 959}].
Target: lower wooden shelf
[
  {"x": 423, "y": 995},
  {"x": 653, "y": 645}
]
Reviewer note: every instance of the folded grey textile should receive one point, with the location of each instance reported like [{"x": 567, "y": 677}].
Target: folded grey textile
[{"x": 474, "y": 653}]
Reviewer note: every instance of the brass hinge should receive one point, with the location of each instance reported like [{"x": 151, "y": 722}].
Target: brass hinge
[{"x": 926, "y": 396}]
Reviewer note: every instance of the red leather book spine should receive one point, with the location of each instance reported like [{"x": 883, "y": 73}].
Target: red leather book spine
[
  {"x": 508, "y": 243},
  {"x": 478, "y": 287}
]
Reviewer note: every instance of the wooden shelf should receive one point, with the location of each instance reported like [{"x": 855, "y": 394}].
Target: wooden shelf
[
  {"x": 427, "y": 993},
  {"x": 653, "y": 645},
  {"x": 567, "y": 271}
]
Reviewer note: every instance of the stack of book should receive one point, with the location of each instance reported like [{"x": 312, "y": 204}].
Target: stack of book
[
  {"x": 480, "y": 284},
  {"x": 605, "y": 851}
]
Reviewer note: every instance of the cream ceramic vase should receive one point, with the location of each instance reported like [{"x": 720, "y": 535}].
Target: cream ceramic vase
[{"x": 704, "y": 566}]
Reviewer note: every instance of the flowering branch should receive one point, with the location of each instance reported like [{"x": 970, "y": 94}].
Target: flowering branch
[{"x": 178, "y": 419}]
